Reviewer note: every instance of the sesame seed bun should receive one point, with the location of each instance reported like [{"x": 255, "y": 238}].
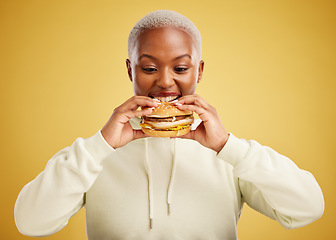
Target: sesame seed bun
[{"x": 166, "y": 109}]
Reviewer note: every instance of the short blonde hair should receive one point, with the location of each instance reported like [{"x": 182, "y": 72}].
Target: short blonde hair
[{"x": 164, "y": 18}]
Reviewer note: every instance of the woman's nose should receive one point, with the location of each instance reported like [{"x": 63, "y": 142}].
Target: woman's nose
[{"x": 165, "y": 80}]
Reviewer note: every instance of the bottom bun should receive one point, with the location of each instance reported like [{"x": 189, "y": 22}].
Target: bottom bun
[{"x": 158, "y": 133}]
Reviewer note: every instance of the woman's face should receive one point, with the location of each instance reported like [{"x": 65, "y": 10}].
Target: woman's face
[{"x": 164, "y": 64}]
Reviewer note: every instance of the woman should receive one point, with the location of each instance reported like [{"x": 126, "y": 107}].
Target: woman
[{"x": 192, "y": 187}]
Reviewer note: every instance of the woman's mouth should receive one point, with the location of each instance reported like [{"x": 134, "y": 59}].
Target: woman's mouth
[
  {"x": 167, "y": 99},
  {"x": 165, "y": 96}
]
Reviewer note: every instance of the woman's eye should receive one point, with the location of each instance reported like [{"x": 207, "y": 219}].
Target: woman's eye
[
  {"x": 149, "y": 70},
  {"x": 180, "y": 69}
]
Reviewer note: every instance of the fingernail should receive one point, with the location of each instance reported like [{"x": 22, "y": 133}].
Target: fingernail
[
  {"x": 174, "y": 101},
  {"x": 178, "y": 104},
  {"x": 157, "y": 100}
]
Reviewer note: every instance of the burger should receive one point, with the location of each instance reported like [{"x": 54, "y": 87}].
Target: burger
[{"x": 166, "y": 120}]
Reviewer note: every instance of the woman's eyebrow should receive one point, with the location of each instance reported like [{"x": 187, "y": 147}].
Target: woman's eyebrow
[
  {"x": 154, "y": 58},
  {"x": 146, "y": 55},
  {"x": 182, "y": 56}
]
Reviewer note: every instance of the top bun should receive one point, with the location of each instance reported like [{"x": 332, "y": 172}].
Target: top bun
[{"x": 166, "y": 109}]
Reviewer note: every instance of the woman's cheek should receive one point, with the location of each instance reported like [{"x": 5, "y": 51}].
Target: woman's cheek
[{"x": 188, "y": 84}]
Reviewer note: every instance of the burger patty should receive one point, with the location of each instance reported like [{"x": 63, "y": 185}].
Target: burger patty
[
  {"x": 167, "y": 125},
  {"x": 166, "y": 119}
]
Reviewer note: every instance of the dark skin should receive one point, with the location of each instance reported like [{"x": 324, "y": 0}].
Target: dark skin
[{"x": 165, "y": 63}]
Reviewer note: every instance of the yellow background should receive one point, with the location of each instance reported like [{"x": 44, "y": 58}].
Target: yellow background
[{"x": 269, "y": 71}]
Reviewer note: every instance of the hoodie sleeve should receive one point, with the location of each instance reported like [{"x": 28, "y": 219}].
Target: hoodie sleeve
[
  {"x": 272, "y": 184},
  {"x": 45, "y": 205}
]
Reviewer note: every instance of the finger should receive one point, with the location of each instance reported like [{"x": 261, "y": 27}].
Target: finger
[
  {"x": 189, "y": 135},
  {"x": 143, "y": 102},
  {"x": 193, "y": 99},
  {"x": 138, "y": 101},
  {"x": 138, "y": 113},
  {"x": 139, "y": 134},
  {"x": 194, "y": 108}
]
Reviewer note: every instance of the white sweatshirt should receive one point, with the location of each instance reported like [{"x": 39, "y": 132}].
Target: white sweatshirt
[{"x": 162, "y": 188}]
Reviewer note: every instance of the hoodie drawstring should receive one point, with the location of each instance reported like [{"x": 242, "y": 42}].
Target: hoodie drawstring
[
  {"x": 150, "y": 183},
  {"x": 150, "y": 186},
  {"x": 172, "y": 178}
]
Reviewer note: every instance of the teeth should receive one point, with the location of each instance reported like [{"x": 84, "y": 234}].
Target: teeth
[{"x": 166, "y": 99}]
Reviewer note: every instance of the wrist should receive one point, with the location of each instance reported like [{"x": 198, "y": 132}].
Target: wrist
[
  {"x": 222, "y": 143},
  {"x": 107, "y": 137}
]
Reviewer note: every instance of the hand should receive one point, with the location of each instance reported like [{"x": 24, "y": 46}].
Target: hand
[
  {"x": 211, "y": 132},
  {"x": 117, "y": 132}
]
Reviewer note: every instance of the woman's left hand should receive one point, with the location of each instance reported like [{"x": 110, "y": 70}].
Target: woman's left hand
[{"x": 210, "y": 132}]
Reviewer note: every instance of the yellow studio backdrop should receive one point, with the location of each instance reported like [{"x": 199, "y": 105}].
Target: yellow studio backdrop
[{"x": 269, "y": 71}]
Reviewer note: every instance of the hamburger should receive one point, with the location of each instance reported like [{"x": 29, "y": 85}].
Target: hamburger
[{"x": 166, "y": 120}]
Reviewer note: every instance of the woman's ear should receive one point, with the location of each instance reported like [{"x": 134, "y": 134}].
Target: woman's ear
[
  {"x": 200, "y": 71},
  {"x": 129, "y": 69}
]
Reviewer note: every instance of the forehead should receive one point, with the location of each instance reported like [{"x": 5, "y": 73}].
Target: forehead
[{"x": 164, "y": 43}]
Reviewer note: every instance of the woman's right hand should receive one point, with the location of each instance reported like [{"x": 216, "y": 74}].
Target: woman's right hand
[{"x": 118, "y": 131}]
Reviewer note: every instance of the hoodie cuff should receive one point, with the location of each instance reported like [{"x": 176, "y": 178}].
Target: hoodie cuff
[
  {"x": 98, "y": 148},
  {"x": 234, "y": 150}
]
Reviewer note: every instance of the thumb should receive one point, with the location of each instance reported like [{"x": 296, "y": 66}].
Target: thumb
[
  {"x": 139, "y": 134},
  {"x": 189, "y": 135}
]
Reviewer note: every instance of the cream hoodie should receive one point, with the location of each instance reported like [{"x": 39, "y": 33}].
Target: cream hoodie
[{"x": 162, "y": 188}]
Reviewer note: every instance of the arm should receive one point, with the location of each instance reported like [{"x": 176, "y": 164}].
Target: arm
[
  {"x": 269, "y": 182},
  {"x": 272, "y": 184},
  {"x": 45, "y": 205}
]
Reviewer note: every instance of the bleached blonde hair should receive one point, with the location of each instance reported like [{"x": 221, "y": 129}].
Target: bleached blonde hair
[{"x": 164, "y": 18}]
